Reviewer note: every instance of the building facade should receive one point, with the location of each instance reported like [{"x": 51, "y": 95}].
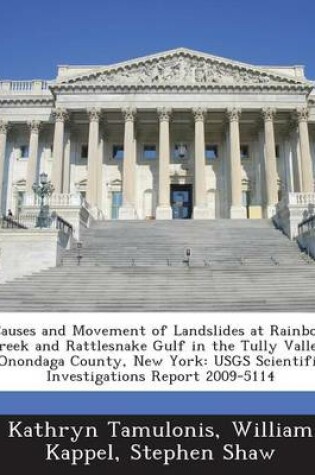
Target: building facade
[{"x": 175, "y": 135}]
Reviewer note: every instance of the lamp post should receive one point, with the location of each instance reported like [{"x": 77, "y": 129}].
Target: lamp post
[{"x": 43, "y": 189}]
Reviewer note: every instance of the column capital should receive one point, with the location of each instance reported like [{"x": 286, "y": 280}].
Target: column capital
[
  {"x": 233, "y": 114},
  {"x": 129, "y": 114},
  {"x": 35, "y": 126},
  {"x": 60, "y": 115},
  {"x": 199, "y": 113},
  {"x": 301, "y": 114},
  {"x": 4, "y": 127},
  {"x": 164, "y": 113},
  {"x": 94, "y": 114},
  {"x": 268, "y": 113}
]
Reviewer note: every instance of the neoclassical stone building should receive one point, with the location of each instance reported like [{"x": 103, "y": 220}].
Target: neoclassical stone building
[{"x": 180, "y": 134}]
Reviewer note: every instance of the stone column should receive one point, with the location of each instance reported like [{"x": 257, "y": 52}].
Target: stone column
[
  {"x": 288, "y": 159},
  {"x": 164, "y": 210},
  {"x": 99, "y": 167},
  {"x": 223, "y": 180},
  {"x": 288, "y": 165},
  {"x": 127, "y": 210},
  {"x": 306, "y": 160},
  {"x": 66, "y": 162},
  {"x": 237, "y": 211},
  {"x": 257, "y": 195},
  {"x": 295, "y": 154},
  {"x": 32, "y": 165},
  {"x": 201, "y": 211},
  {"x": 58, "y": 149},
  {"x": 3, "y": 144},
  {"x": 92, "y": 181},
  {"x": 270, "y": 163}
]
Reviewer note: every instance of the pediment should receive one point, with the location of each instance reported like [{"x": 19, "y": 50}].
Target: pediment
[{"x": 178, "y": 71}]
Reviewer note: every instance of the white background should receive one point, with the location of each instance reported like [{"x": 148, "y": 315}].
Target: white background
[{"x": 285, "y": 378}]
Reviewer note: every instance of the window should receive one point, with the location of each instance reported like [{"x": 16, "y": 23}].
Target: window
[
  {"x": 84, "y": 151},
  {"x": 149, "y": 152},
  {"x": 277, "y": 151},
  {"x": 24, "y": 151},
  {"x": 118, "y": 152},
  {"x": 51, "y": 151},
  {"x": 244, "y": 149},
  {"x": 211, "y": 152}
]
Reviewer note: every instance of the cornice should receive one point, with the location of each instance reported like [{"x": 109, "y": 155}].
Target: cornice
[
  {"x": 16, "y": 101},
  {"x": 229, "y": 89}
]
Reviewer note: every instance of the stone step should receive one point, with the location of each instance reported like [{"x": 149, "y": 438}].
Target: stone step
[{"x": 125, "y": 266}]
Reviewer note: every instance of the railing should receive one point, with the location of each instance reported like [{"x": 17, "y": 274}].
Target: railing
[
  {"x": 8, "y": 222},
  {"x": 306, "y": 225},
  {"x": 56, "y": 199},
  {"x": 300, "y": 198},
  {"x": 21, "y": 85},
  {"x": 29, "y": 221},
  {"x": 25, "y": 87},
  {"x": 65, "y": 199},
  {"x": 63, "y": 225}
]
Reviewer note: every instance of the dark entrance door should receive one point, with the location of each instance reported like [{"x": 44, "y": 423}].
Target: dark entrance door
[{"x": 181, "y": 201}]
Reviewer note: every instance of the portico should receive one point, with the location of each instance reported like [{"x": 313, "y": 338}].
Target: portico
[{"x": 237, "y": 136}]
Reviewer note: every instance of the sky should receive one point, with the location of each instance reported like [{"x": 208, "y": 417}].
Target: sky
[{"x": 36, "y": 36}]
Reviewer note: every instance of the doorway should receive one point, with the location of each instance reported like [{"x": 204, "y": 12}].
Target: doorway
[
  {"x": 116, "y": 203},
  {"x": 181, "y": 201}
]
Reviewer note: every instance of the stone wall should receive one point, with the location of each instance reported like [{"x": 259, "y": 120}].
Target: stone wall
[{"x": 26, "y": 251}]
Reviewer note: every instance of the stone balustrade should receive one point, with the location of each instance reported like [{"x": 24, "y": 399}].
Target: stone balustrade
[
  {"x": 292, "y": 210},
  {"x": 57, "y": 199},
  {"x": 301, "y": 198},
  {"x": 25, "y": 87}
]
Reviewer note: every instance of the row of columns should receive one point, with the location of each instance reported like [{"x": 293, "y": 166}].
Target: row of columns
[{"x": 164, "y": 211}]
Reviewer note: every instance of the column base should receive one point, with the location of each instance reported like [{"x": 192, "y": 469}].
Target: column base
[
  {"x": 164, "y": 212},
  {"x": 270, "y": 211},
  {"x": 202, "y": 212},
  {"x": 127, "y": 212},
  {"x": 238, "y": 212}
]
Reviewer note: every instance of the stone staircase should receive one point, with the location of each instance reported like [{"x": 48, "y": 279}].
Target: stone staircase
[{"x": 235, "y": 265}]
